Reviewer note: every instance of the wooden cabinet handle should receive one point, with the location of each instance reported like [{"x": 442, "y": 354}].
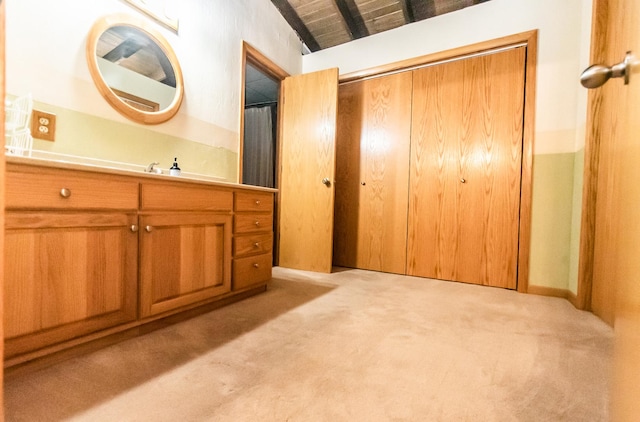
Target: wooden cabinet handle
[{"x": 65, "y": 192}]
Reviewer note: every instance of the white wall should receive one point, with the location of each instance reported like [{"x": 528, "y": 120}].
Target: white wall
[
  {"x": 46, "y": 57},
  {"x": 560, "y": 53}
]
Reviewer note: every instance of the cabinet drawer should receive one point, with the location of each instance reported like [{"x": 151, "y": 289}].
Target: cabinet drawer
[
  {"x": 251, "y": 270},
  {"x": 157, "y": 196},
  {"x": 252, "y": 244},
  {"x": 253, "y": 201},
  {"x": 68, "y": 189},
  {"x": 253, "y": 223}
]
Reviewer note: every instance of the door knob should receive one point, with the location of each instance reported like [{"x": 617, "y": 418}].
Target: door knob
[
  {"x": 597, "y": 75},
  {"x": 463, "y": 180},
  {"x": 326, "y": 182}
]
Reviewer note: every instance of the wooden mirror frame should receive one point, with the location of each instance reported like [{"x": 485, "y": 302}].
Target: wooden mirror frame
[{"x": 140, "y": 116}]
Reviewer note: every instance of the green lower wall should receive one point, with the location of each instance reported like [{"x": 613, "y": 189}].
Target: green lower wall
[
  {"x": 555, "y": 224},
  {"x": 85, "y": 135},
  {"x": 557, "y": 181}
]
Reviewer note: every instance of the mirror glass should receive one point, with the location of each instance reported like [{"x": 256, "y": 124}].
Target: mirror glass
[{"x": 135, "y": 69}]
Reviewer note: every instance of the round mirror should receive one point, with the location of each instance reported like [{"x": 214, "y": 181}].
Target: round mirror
[{"x": 135, "y": 69}]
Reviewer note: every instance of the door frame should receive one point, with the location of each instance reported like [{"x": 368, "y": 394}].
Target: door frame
[
  {"x": 261, "y": 62},
  {"x": 528, "y": 39},
  {"x": 591, "y": 163}
]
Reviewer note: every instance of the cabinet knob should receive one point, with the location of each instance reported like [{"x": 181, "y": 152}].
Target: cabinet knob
[
  {"x": 258, "y": 202},
  {"x": 148, "y": 229},
  {"x": 65, "y": 192},
  {"x": 363, "y": 183},
  {"x": 257, "y": 223},
  {"x": 256, "y": 265},
  {"x": 463, "y": 180},
  {"x": 134, "y": 228},
  {"x": 326, "y": 181},
  {"x": 256, "y": 245}
]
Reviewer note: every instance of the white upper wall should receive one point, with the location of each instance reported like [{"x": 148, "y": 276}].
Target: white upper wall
[
  {"x": 564, "y": 31},
  {"x": 45, "y": 56}
]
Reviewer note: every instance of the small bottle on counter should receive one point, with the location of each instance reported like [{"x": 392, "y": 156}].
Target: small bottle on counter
[{"x": 175, "y": 170}]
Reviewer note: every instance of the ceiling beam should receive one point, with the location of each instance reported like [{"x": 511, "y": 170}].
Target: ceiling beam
[
  {"x": 290, "y": 15},
  {"x": 352, "y": 18},
  {"x": 407, "y": 11},
  {"x": 422, "y": 9}
]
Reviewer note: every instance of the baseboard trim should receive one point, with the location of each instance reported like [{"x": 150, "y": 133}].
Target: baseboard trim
[{"x": 548, "y": 291}]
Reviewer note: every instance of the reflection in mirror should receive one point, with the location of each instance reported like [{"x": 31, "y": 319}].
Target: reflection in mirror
[{"x": 134, "y": 69}]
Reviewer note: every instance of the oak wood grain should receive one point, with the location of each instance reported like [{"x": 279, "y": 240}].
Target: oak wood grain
[
  {"x": 308, "y": 156},
  {"x": 466, "y": 162},
  {"x": 184, "y": 259},
  {"x": 41, "y": 189},
  {"x": 69, "y": 275},
  {"x": 372, "y": 181}
]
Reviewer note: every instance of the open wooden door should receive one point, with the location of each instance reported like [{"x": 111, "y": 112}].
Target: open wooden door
[
  {"x": 2, "y": 117},
  {"x": 614, "y": 141},
  {"x": 308, "y": 148}
]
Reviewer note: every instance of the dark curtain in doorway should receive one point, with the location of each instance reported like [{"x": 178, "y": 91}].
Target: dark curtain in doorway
[{"x": 259, "y": 152}]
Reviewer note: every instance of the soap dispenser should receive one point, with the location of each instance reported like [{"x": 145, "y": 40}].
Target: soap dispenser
[{"x": 174, "y": 170}]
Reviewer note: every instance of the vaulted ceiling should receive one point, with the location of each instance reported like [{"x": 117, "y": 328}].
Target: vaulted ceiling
[{"x": 326, "y": 23}]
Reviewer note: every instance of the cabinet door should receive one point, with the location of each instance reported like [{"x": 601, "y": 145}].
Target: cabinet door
[
  {"x": 372, "y": 181},
  {"x": 184, "y": 259},
  {"x": 466, "y": 161},
  {"x": 308, "y": 159},
  {"x": 67, "y": 275}
]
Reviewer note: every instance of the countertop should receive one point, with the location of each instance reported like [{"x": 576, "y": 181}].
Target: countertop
[{"x": 44, "y": 159}]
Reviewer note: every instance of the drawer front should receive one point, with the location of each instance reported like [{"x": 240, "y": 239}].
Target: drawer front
[
  {"x": 253, "y": 223},
  {"x": 184, "y": 198},
  {"x": 69, "y": 190},
  {"x": 252, "y": 244},
  {"x": 252, "y": 270},
  {"x": 253, "y": 201}
]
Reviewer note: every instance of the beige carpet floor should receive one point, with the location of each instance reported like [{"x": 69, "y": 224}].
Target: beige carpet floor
[{"x": 349, "y": 346}]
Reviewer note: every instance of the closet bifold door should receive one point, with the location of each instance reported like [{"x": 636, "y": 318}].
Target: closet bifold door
[
  {"x": 465, "y": 171},
  {"x": 372, "y": 179}
]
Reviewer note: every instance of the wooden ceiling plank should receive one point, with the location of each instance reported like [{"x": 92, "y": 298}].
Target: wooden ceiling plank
[
  {"x": 352, "y": 18},
  {"x": 290, "y": 15}
]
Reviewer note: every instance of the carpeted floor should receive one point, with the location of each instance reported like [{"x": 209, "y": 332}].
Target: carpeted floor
[{"x": 348, "y": 346}]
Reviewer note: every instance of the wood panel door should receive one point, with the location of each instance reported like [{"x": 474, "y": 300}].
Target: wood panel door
[
  {"x": 466, "y": 163},
  {"x": 613, "y": 127},
  {"x": 372, "y": 179},
  {"x": 307, "y": 159},
  {"x": 68, "y": 274},
  {"x": 184, "y": 259}
]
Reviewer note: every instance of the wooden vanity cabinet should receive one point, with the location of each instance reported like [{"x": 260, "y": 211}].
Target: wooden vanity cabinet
[
  {"x": 90, "y": 254},
  {"x": 253, "y": 239},
  {"x": 185, "y": 256},
  {"x": 71, "y": 251}
]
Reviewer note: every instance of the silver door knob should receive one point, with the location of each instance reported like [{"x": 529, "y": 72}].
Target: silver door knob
[
  {"x": 134, "y": 228},
  {"x": 597, "y": 75},
  {"x": 326, "y": 182}
]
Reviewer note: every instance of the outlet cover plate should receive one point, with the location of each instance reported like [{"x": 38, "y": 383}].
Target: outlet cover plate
[{"x": 43, "y": 125}]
